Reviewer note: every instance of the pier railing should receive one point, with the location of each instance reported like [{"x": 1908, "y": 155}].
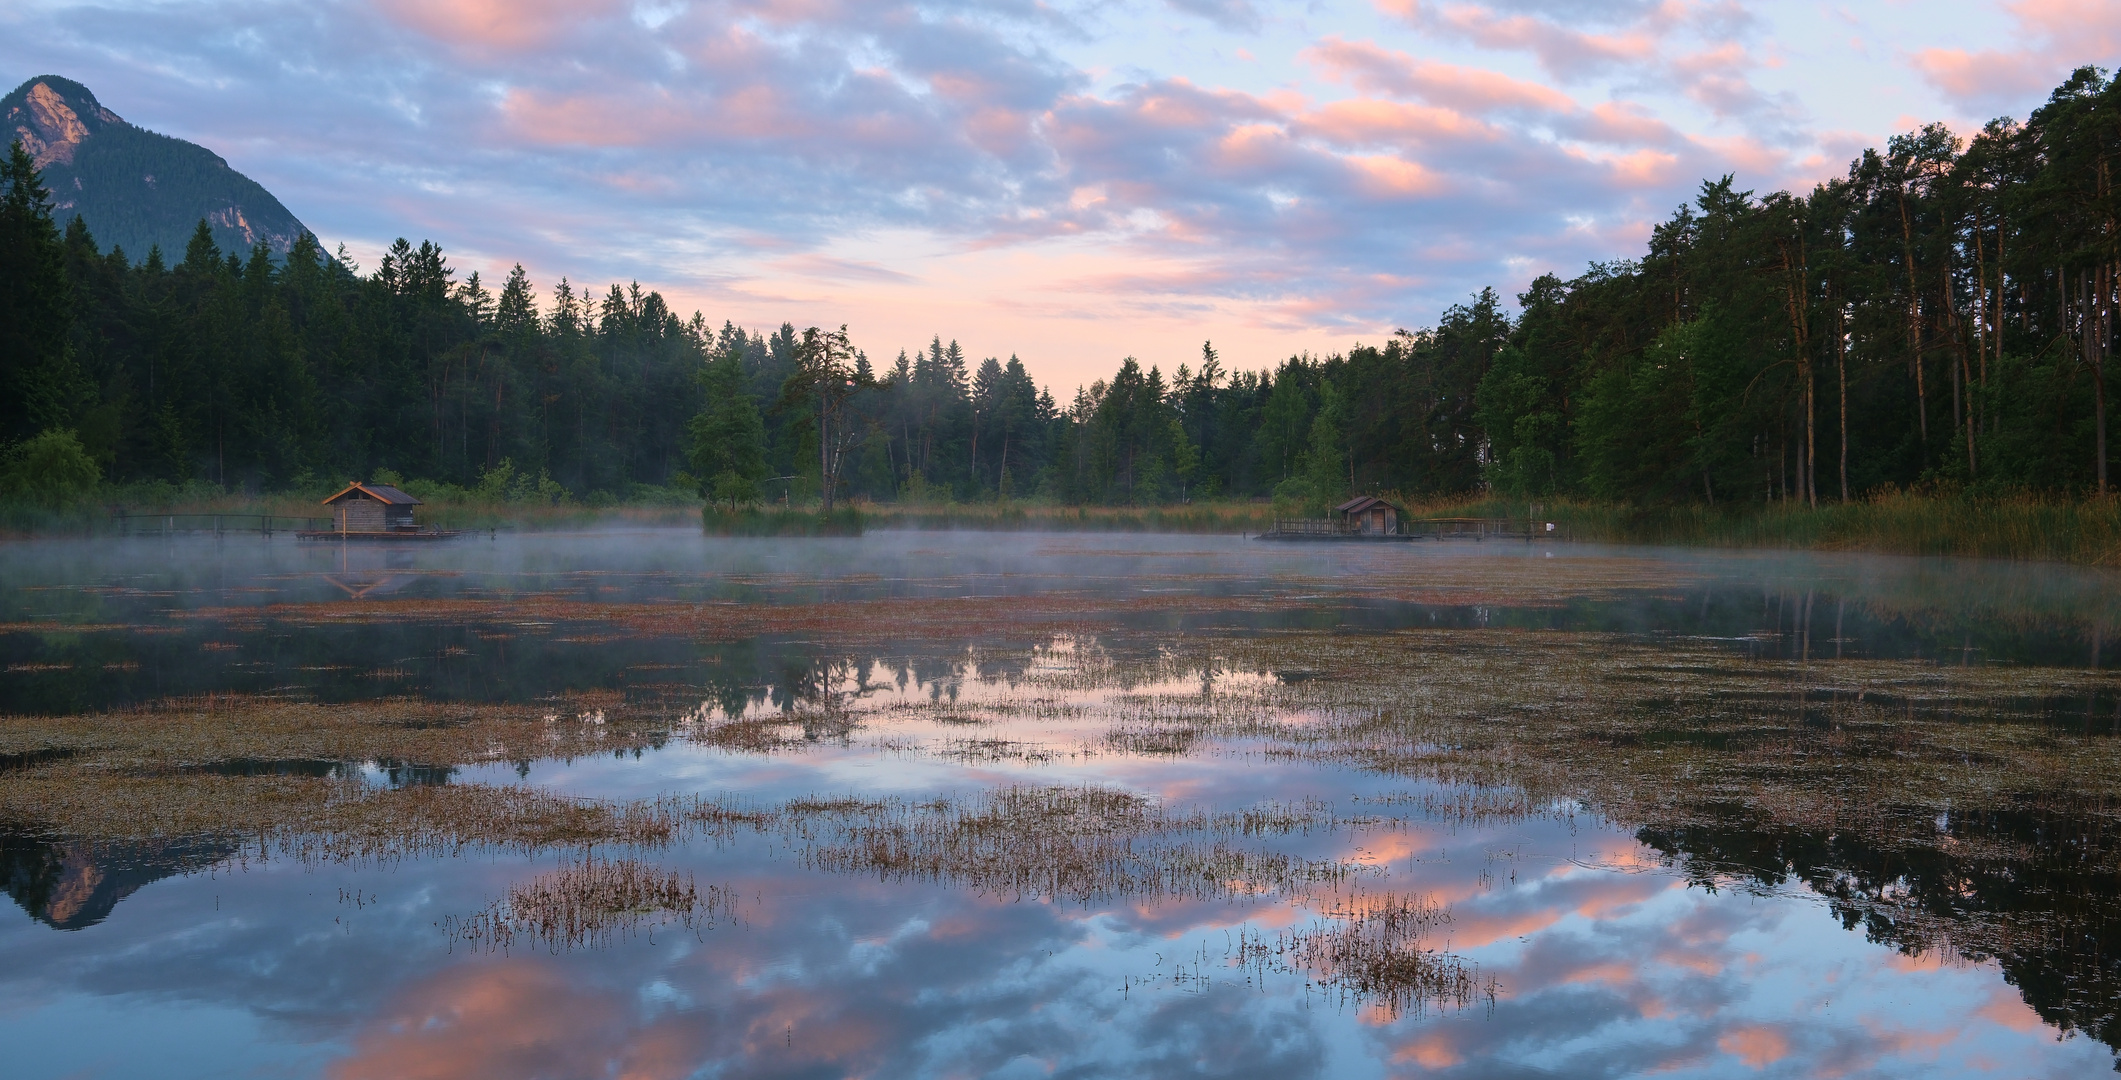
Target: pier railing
[
  {"x": 1434, "y": 528},
  {"x": 1314, "y": 527},
  {"x": 129, "y": 523}
]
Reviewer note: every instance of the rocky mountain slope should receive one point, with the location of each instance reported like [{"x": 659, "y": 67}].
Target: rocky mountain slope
[{"x": 133, "y": 187}]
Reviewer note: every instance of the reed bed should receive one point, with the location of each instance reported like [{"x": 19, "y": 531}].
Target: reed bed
[
  {"x": 1214, "y": 516},
  {"x": 223, "y": 729},
  {"x": 1077, "y": 844},
  {"x": 782, "y": 521},
  {"x": 325, "y": 819},
  {"x": 1654, "y": 733},
  {"x": 591, "y": 903},
  {"x": 1638, "y": 730},
  {"x": 1372, "y": 951},
  {"x": 2022, "y": 527},
  {"x": 1063, "y": 843}
]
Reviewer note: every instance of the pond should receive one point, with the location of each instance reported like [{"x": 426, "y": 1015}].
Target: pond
[{"x": 650, "y": 804}]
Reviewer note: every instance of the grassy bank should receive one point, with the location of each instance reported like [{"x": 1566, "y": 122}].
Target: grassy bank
[
  {"x": 103, "y": 514},
  {"x": 2086, "y": 532},
  {"x": 1201, "y": 517},
  {"x": 783, "y": 521}
]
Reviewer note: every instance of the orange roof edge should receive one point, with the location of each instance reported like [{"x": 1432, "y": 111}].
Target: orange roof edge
[{"x": 382, "y": 493}]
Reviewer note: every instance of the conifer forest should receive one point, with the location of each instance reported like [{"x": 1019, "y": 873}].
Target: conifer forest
[{"x": 1939, "y": 317}]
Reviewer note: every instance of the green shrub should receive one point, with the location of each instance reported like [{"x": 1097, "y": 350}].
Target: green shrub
[{"x": 52, "y": 470}]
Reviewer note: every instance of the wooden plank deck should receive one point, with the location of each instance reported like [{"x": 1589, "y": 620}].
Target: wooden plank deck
[
  {"x": 394, "y": 536},
  {"x": 1333, "y": 531}
]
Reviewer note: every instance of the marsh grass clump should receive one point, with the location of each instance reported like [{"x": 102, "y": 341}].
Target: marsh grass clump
[
  {"x": 792, "y": 729},
  {"x": 448, "y": 820},
  {"x": 1079, "y": 844},
  {"x": 591, "y": 904},
  {"x": 323, "y": 819},
  {"x": 1475, "y": 805},
  {"x": 993, "y": 751},
  {"x": 1372, "y": 950},
  {"x": 180, "y": 733}
]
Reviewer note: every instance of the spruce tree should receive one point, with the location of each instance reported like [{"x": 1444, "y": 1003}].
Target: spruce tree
[
  {"x": 39, "y": 385},
  {"x": 728, "y": 438}
]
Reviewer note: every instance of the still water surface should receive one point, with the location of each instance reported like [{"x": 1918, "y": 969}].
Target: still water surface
[{"x": 1558, "y": 938}]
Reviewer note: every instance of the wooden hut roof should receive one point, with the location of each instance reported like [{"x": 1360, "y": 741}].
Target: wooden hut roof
[
  {"x": 1362, "y": 504},
  {"x": 382, "y": 493}
]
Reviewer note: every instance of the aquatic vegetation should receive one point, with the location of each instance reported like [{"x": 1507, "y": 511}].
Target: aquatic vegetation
[
  {"x": 590, "y": 904},
  {"x": 1075, "y": 843},
  {"x": 1370, "y": 950},
  {"x": 1639, "y": 730},
  {"x": 1746, "y": 763},
  {"x": 185, "y": 732}
]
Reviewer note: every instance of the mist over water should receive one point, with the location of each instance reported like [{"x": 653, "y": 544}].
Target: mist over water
[{"x": 1036, "y": 804}]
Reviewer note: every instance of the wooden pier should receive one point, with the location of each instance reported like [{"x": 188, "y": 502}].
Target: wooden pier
[
  {"x": 1408, "y": 530},
  {"x": 394, "y": 536},
  {"x": 126, "y": 523}
]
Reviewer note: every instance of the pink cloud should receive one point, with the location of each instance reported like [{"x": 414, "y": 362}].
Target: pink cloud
[
  {"x": 1564, "y": 52},
  {"x": 1375, "y": 70},
  {"x": 1433, "y": 1050},
  {"x": 1625, "y": 124},
  {"x": 2054, "y": 37},
  {"x": 495, "y": 25},
  {"x": 1757, "y": 1045},
  {"x": 1692, "y": 46},
  {"x": 1368, "y": 122},
  {"x": 508, "y": 1020},
  {"x": 2007, "y": 1007}
]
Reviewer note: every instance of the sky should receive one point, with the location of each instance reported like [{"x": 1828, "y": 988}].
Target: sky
[{"x": 1068, "y": 181}]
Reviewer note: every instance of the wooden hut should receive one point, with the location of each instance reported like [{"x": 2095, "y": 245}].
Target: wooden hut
[
  {"x": 371, "y": 508},
  {"x": 1368, "y": 515}
]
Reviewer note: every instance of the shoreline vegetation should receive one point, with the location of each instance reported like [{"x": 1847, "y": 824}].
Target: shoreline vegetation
[{"x": 2028, "y": 528}]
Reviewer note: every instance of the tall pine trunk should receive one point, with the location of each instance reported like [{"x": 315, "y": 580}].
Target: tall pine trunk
[{"x": 1914, "y": 318}]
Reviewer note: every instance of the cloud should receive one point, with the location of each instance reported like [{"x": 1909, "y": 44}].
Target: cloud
[
  {"x": 676, "y": 143},
  {"x": 1228, "y": 14},
  {"x": 500, "y": 26},
  {"x": 1698, "y": 49},
  {"x": 1564, "y": 51},
  {"x": 1375, "y": 70},
  {"x": 1757, "y": 1046},
  {"x": 2052, "y": 37}
]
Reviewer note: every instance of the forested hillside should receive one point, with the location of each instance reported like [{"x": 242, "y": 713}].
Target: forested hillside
[
  {"x": 1940, "y": 316},
  {"x": 136, "y": 188}
]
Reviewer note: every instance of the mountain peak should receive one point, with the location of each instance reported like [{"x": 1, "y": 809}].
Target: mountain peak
[
  {"x": 134, "y": 188},
  {"x": 53, "y": 118}
]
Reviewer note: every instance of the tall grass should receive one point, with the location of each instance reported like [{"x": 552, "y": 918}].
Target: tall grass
[
  {"x": 782, "y": 521},
  {"x": 100, "y": 515},
  {"x": 2025, "y": 527},
  {"x": 1221, "y": 517},
  {"x": 2085, "y": 531}
]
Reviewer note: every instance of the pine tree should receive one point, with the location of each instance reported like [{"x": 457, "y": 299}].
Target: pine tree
[
  {"x": 39, "y": 385},
  {"x": 728, "y": 439},
  {"x": 1325, "y": 467}
]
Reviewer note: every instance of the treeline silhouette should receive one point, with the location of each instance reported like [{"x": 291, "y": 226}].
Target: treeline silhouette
[{"x": 1941, "y": 316}]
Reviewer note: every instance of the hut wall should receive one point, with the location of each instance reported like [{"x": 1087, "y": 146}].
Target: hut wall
[
  {"x": 359, "y": 515},
  {"x": 398, "y": 517}
]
